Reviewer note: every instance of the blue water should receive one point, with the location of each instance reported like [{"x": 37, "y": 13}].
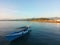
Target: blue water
[{"x": 41, "y": 34}]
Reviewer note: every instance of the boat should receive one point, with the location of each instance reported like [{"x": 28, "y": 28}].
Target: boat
[{"x": 22, "y": 31}]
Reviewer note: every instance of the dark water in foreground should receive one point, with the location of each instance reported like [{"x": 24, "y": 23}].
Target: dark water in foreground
[{"x": 41, "y": 34}]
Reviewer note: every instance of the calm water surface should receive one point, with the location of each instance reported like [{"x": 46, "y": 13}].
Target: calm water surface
[{"x": 41, "y": 34}]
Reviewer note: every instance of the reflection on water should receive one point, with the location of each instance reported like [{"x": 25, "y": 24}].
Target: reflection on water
[{"x": 41, "y": 34}]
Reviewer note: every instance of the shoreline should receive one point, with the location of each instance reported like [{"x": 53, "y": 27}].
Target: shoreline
[{"x": 46, "y": 21}]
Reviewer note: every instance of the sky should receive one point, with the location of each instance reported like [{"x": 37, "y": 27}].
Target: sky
[{"x": 17, "y": 9}]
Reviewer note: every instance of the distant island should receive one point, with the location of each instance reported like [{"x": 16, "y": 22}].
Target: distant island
[{"x": 50, "y": 20}]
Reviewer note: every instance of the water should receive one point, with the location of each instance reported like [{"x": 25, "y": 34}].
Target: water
[{"x": 41, "y": 34}]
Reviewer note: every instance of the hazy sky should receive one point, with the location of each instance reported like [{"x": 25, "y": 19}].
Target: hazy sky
[{"x": 29, "y": 8}]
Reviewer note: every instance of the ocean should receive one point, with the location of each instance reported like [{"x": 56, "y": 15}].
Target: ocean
[{"x": 41, "y": 33}]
